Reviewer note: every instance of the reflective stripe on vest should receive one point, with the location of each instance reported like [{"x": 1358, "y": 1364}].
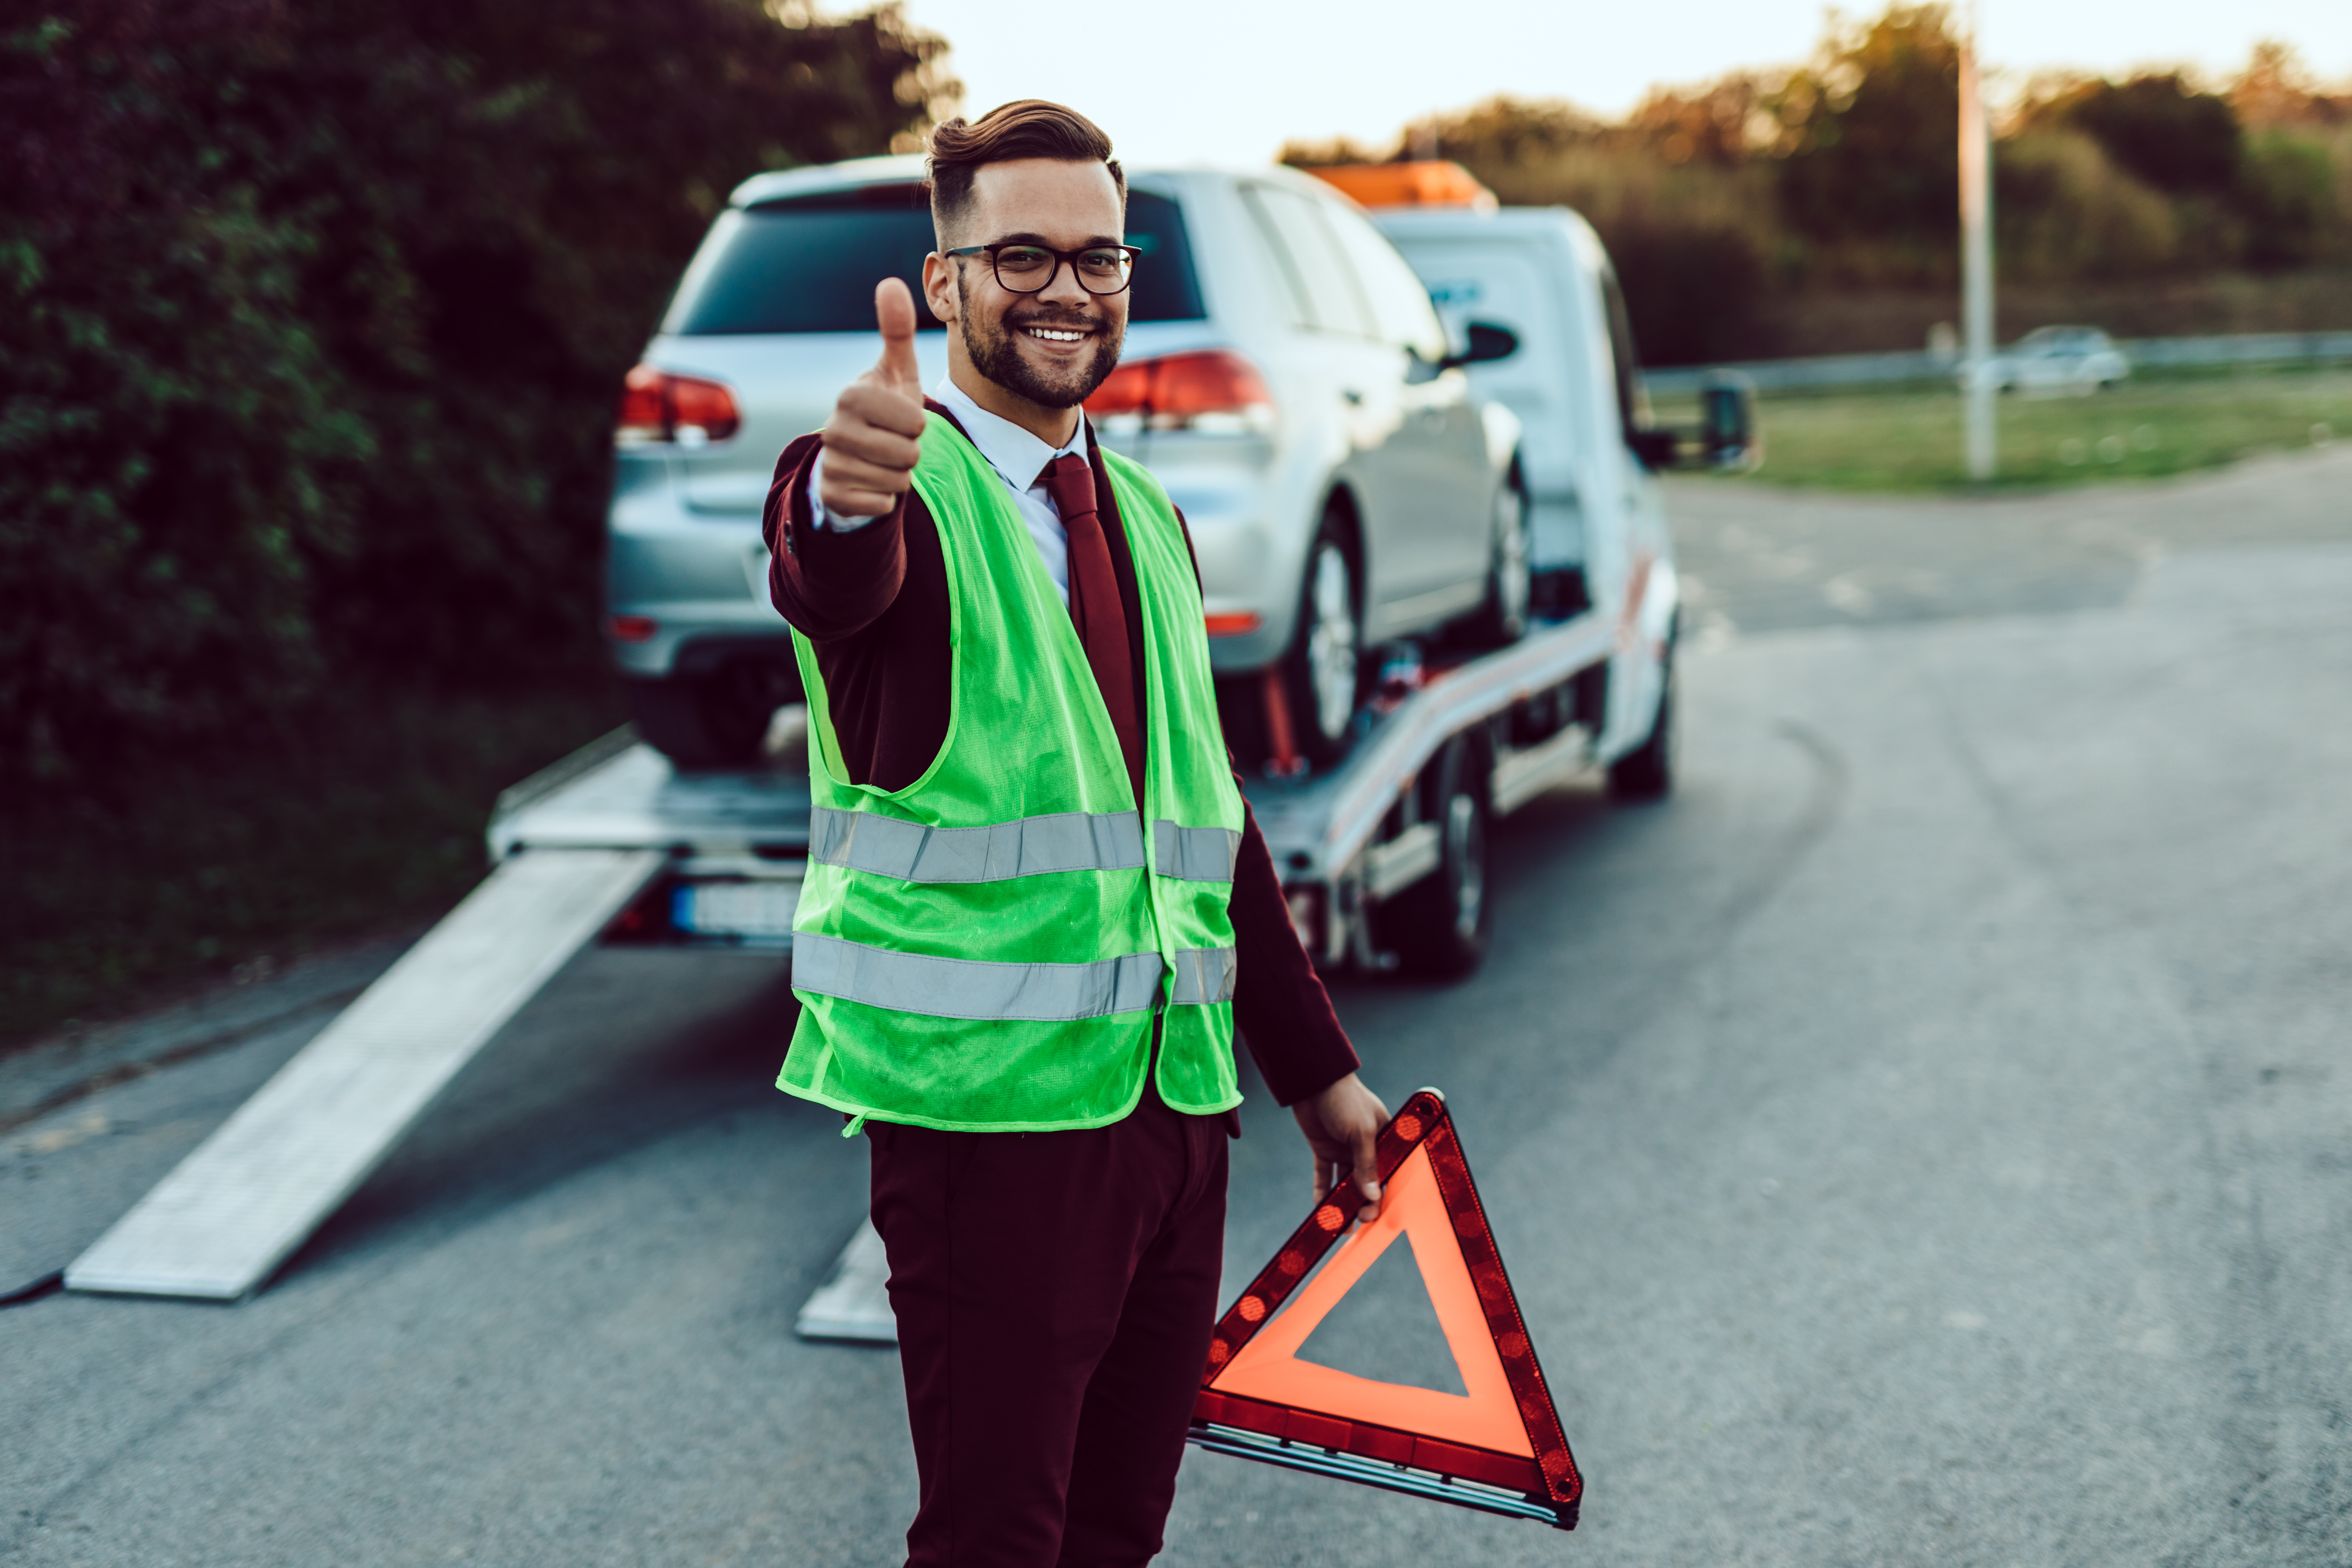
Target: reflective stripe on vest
[
  {"x": 1204, "y": 976},
  {"x": 1194, "y": 854},
  {"x": 1032, "y": 846},
  {"x": 890, "y": 847},
  {"x": 1038, "y": 992}
]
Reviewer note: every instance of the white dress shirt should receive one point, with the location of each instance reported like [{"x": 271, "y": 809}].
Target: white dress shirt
[{"x": 1018, "y": 458}]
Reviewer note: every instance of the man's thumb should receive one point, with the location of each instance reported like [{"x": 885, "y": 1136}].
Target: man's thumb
[
  {"x": 1368, "y": 1180},
  {"x": 894, "y": 312}
]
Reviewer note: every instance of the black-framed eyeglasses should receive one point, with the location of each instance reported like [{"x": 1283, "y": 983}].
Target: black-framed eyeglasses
[{"x": 1026, "y": 268}]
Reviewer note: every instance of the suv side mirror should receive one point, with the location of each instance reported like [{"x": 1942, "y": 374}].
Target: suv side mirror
[{"x": 1488, "y": 341}]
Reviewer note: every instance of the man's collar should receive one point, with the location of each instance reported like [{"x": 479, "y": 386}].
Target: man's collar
[{"x": 1016, "y": 454}]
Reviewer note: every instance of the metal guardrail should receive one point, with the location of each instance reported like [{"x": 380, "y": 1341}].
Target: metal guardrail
[
  {"x": 1923, "y": 364},
  {"x": 1825, "y": 370},
  {"x": 2242, "y": 348}
]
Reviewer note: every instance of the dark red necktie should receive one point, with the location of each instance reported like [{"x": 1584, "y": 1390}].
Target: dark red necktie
[{"x": 1095, "y": 607}]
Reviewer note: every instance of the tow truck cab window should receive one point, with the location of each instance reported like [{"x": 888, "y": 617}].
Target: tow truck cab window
[
  {"x": 809, "y": 264},
  {"x": 1632, "y": 400}
]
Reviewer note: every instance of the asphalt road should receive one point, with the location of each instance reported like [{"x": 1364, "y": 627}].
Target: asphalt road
[{"x": 1924, "y": 1140}]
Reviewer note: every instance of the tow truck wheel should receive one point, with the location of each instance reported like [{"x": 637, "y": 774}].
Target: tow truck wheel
[
  {"x": 1647, "y": 772},
  {"x": 1511, "y": 573},
  {"x": 1438, "y": 926}
]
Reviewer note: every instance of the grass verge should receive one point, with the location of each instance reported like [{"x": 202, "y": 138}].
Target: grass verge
[
  {"x": 1903, "y": 439},
  {"x": 121, "y": 892}
]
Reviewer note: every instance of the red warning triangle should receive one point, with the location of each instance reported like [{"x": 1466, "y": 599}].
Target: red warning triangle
[{"x": 1499, "y": 1446}]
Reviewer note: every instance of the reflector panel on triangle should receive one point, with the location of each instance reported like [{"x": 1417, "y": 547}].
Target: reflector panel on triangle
[
  {"x": 1499, "y": 1446},
  {"x": 1487, "y": 1417}
]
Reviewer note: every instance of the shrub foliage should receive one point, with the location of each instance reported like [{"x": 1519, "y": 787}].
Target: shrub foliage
[{"x": 311, "y": 317}]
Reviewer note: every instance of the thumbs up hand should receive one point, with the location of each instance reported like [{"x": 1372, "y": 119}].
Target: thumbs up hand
[{"x": 870, "y": 441}]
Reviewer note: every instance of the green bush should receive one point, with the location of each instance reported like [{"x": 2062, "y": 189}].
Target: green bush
[
  {"x": 2062, "y": 210},
  {"x": 2287, "y": 187},
  {"x": 311, "y": 318}
]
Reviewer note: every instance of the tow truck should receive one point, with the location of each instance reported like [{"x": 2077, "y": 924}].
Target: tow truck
[{"x": 1384, "y": 856}]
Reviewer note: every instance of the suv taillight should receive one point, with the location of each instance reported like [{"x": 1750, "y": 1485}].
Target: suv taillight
[
  {"x": 656, "y": 406},
  {"x": 1213, "y": 391}
]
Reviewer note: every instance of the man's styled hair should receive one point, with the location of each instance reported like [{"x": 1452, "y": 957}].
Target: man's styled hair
[{"x": 1031, "y": 128}]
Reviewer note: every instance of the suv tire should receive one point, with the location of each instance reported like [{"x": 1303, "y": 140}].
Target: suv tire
[{"x": 1323, "y": 672}]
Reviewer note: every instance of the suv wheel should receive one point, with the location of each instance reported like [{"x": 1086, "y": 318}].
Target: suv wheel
[{"x": 1323, "y": 672}]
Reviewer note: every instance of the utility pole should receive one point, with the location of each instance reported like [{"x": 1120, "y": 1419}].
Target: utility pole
[{"x": 1976, "y": 258}]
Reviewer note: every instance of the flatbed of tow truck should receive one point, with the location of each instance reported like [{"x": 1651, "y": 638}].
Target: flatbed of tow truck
[
  {"x": 613, "y": 843},
  {"x": 1345, "y": 840}
]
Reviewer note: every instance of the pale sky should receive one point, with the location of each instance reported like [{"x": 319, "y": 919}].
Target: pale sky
[{"x": 1230, "y": 80}]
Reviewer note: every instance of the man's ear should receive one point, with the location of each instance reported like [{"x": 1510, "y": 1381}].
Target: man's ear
[{"x": 938, "y": 286}]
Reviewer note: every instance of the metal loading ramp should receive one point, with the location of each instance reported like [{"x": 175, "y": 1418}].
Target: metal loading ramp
[
  {"x": 240, "y": 1204},
  {"x": 854, "y": 1302}
]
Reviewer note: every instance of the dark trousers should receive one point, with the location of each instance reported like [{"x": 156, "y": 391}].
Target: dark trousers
[{"x": 1055, "y": 1294}]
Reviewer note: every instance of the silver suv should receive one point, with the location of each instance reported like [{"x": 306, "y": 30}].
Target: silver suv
[{"x": 1285, "y": 375}]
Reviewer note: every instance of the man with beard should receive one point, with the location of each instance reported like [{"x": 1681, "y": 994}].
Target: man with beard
[{"x": 1036, "y": 907}]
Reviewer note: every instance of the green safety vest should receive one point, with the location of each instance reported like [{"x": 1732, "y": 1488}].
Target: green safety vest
[{"x": 987, "y": 948}]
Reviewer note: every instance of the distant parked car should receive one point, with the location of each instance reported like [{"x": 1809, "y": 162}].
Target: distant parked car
[
  {"x": 2056, "y": 362},
  {"x": 1286, "y": 377}
]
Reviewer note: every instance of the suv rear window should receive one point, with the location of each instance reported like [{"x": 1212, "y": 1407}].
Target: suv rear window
[{"x": 809, "y": 264}]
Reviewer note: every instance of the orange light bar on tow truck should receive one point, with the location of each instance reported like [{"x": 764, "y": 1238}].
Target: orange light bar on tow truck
[{"x": 1426, "y": 182}]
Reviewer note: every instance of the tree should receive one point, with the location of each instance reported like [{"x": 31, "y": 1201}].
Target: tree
[
  {"x": 2276, "y": 89},
  {"x": 311, "y": 318},
  {"x": 1723, "y": 122},
  {"x": 2160, "y": 128},
  {"x": 1873, "y": 137}
]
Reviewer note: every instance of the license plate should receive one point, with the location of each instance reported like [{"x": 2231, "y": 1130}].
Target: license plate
[{"x": 762, "y": 911}]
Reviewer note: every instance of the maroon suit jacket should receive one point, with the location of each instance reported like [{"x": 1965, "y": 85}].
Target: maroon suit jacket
[{"x": 874, "y": 602}]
